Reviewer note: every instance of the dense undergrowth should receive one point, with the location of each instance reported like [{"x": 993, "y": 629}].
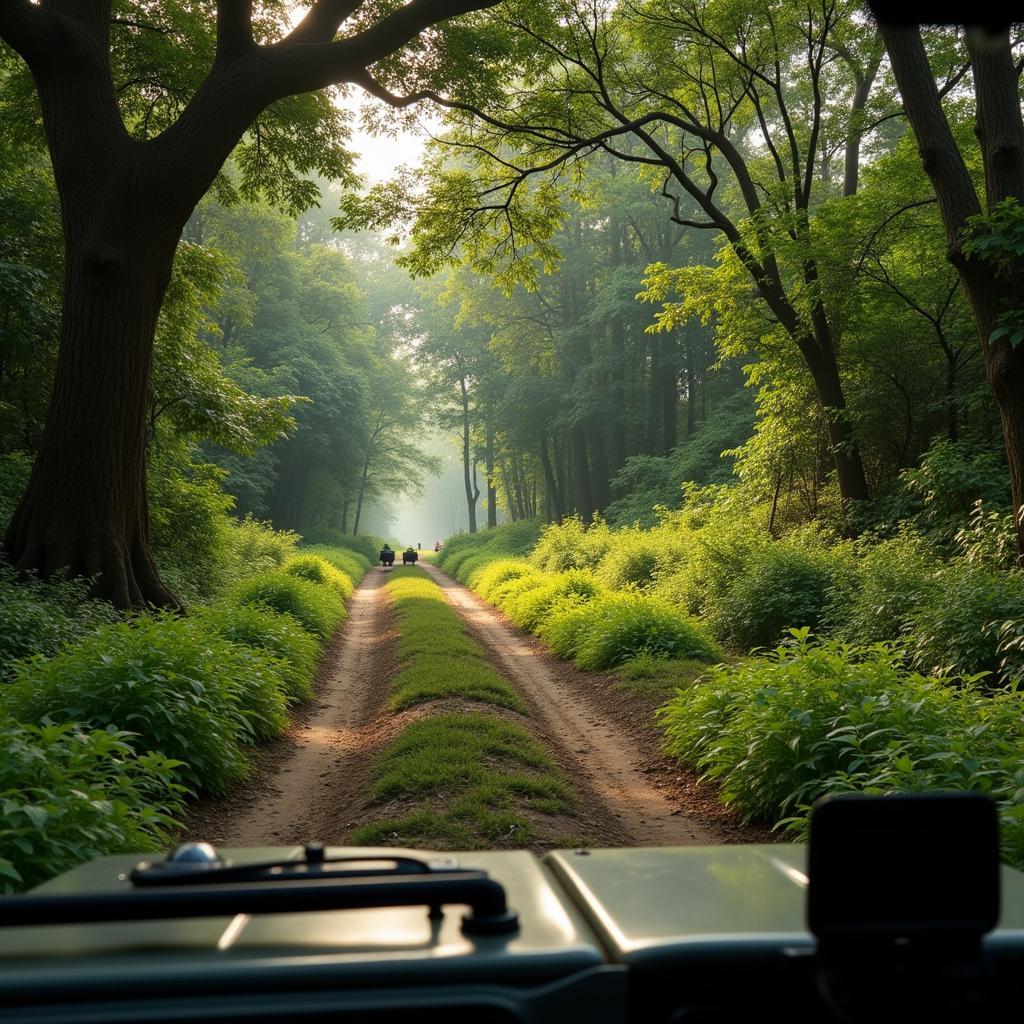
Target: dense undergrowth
[
  {"x": 460, "y": 777},
  {"x": 109, "y": 723},
  {"x": 884, "y": 664}
]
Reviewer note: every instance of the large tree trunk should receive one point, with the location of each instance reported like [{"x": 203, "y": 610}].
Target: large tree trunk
[
  {"x": 1000, "y": 132},
  {"x": 85, "y": 509}
]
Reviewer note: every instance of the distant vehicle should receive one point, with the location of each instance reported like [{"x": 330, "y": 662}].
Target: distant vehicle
[
  {"x": 387, "y": 556},
  {"x": 410, "y": 556}
]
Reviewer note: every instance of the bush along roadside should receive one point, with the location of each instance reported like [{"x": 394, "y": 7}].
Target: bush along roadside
[
  {"x": 466, "y": 772},
  {"x": 820, "y": 717},
  {"x": 101, "y": 742}
]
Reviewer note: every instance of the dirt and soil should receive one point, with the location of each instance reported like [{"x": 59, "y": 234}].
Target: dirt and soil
[{"x": 311, "y": 782}]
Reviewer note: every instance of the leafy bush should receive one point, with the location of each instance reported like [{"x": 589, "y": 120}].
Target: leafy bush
[
  {"x": 631, "y": 561},
  {"x": 780, "y": 587},
  {"x": 613, "y": 628},
  {"x": 279, "y": 635},
  {"x": 528, "y": 608},
  {"x": 955, "y": 630},
  {"x": 571, "y": 545},
  {"x": 38, "y": 618},
  {"x": 351, "y": 563},
  {"x": 182, "y": 691},
  {"x": 892, "y": 578},
  {"x": 814, "y": 718},
  {"x": 67, "y": 795},
  {"x": 316, "y": 607},
  {"x": 486, "y": 578},
  {"x": 364, "y": 546},
  {"x": 319, "y": 570},
  {"x": 258, "y": 547}
]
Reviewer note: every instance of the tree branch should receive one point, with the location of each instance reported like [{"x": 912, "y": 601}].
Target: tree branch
[
  {"x": 30, "y": 31},
  {"x": 322, "y": 21},
  {"x": 306, "y": 68},
  {"x": 234, "y": 28}
]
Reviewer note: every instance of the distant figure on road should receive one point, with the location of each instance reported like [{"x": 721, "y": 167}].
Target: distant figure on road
[
  {"x": 409, "y": 556},
  {"x": 387, "y": 556},
  {"x": 437, "y": 545}
]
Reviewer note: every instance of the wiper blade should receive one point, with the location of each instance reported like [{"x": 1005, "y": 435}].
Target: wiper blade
[
  {"x": 315, "y": 864},
  {"x": 194, "y": 881}
]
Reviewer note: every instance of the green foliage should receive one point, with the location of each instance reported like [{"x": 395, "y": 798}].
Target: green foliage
[
  {"x": 351, "y": 563},
  {"x": 893, "y": 577},
  {"x": 493, "y": 574},
  {"x": 955, "y": 630},
  {"x": 279, "y": 636},
  {"x": 778, "y": 587},
  {"x": 257, "y": 547},
  {"x": 631, "y": 560},
  {"x": 613, "y": 628},
  {"x": 438, "y": 658},
  {"x": 318, "y": 570},
  {"x": 571, "y": 545},
  {"x": 318, "y": 608},
  {"x": 778, "y": 731},
  {"x": 528, "y": 608},
  {"x": 181, "y": 690},
  {"x": 997, "y": 238},
  {"x": 68, "y": 794},
  {"x": 363, "y": 546},
  {"x": 39, "y": 618}
]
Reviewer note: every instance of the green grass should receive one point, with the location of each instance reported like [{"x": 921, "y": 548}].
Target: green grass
[
  {"x": 439, "y": 659},
  {"x": 475, "y": 774},
  {"x": 469, "y": 780},
  {"x": 650, "y": 676}
]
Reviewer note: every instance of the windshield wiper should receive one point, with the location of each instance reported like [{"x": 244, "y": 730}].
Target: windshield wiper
[{"x": 182, "y": 889}]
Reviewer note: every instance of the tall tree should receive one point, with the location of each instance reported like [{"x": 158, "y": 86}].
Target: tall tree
[
  {"x": 124, "y": 202},
  {"x": 989, "y": 263}
]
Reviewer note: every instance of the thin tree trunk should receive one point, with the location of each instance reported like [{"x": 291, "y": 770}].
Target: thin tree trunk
[
  {"x": 669, "y": 392},
  {"x": 492, "y": 490},
  {"x": 362, "y": 494},
  {"x": 1000, "y": 132},
  {"x": 581, "y": 474},
  {"x": 550, "y": 483},
  {"x": 472, "y": 492}
]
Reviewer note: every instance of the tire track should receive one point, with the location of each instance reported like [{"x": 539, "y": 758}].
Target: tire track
[{"x": 586, "y": 736}]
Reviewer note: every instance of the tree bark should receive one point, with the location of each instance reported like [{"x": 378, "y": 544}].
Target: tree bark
[
  {"x": 492, "y": 489},
  {"x": 1000, "y": 132},
  {"x": 123, "y": 206},
  {"x": 581, "y": 474},
  {"x": 472, "y": 491}
]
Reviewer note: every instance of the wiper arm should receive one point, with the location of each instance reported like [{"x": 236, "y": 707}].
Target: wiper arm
[{"x": 278, "y": 887}]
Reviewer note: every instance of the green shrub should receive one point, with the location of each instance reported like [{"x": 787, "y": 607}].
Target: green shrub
[
  {"x": 318, "y": 570},
  {"x": 571, "y": 545},
  {"x": 258, "y": 547},
  {"x": 492, "y": 575},
  {"x": 779, "y": 588},
  {"x": 68, "y": 795},
  {"x": 618, "y": 627},
  {"x": 564, "y": 628},
  {"x": 509, "y": 590},
  {"x": 351, "y": 563},
  {"x": 892, "y": 577},
  {"x": 528, "y": 608},
  {"x": 38, "y": 618},
  {"x": 364, "y": 546},
  {"x": 181, "y": 690},
  {"x": 955, "y": 630},
  {"x": 316, "y": 607},
  {"x": 631, "y": 561},
  {"x": 279, "y": 635},
  {"x": 778, "y": 731}
]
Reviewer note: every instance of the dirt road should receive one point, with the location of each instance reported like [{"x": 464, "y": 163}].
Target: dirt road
[
  {"x": 313, "y": 789},
  {"x": 585, "y": 736},
  {"x": 311, "y": 783}
]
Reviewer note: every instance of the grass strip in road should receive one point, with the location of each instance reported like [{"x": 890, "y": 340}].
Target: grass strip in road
[
  {"x": 438, "y": 658},
  {"x": 467, "y": 779},
  {"x": 471, "y": 777}
]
